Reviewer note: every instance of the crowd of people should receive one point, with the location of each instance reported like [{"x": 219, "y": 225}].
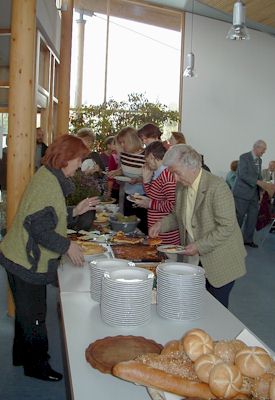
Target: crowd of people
[{"x": 177, "y": 198}]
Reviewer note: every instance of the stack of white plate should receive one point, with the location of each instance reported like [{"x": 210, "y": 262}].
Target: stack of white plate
[
  {"x": 180, "y": 291},
  {"x": 126, "y": 297},
  {"x": 97, "y": 269}
]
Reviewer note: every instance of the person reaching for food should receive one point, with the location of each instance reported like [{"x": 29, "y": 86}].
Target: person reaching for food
[
  {"x": 31, "y": 250},
  {"x": 160, "y": 189}
]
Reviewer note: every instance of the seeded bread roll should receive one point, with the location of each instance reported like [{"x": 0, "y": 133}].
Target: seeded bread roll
[
  {"x": 196, "y": 343},
  {"x": 253, "y": 361},
  {"x": 246, "y": 386},
  {"x": 260, "y": 387},
  {"x": 272, "y": 389},
  {"x": 225, "y": 380},
  {"x": 204, "y": 364},
  {"x": 227, "y": 349},
  {"x": 271, "y": 369}
]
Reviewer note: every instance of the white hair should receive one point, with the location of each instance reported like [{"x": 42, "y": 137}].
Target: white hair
[
  {"x": 184, "y": 155},
  {"x": 259, "y": 143}
]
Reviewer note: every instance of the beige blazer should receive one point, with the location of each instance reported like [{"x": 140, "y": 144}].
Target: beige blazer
[{"x": 215, "y": 228}]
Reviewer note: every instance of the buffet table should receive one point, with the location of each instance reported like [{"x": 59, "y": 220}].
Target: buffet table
[{"x": 83, "y": 325}]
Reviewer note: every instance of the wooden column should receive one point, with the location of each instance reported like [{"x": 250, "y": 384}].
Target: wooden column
[
  {"x": 65, "y": 69},
  {"x": 79, "y": 59},
  {"x": 21, "y": 106}
]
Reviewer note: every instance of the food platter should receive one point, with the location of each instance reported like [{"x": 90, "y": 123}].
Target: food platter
[{"x": 91, "y": 249}]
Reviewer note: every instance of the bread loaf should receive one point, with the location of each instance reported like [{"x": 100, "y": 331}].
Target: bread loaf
[
  {"x": 260, "y": 387},
  {"x": 196, "y": 343},
  {"x": 176, "y": 363},
  {"x": 204, "y": 364},
  {"x": 227, "y": 349},
  {"x": 253, "y": 361},
  {"x": 135, "y": 371},
  {"x": 225, "y": 380}
]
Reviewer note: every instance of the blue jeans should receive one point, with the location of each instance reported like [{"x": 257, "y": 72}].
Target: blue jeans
[{"x": 222, "y": 293}]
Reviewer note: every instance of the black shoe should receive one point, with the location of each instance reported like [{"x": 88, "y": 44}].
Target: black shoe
[
  {"x": 251, "y": 244},
  {"x": 46, "y": 373}
]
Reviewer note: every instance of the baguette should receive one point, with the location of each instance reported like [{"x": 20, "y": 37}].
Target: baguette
[{"x": 141, "y": 374}]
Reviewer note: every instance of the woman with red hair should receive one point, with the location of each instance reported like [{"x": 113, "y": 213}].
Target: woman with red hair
[{"x": 33, "y": 246}]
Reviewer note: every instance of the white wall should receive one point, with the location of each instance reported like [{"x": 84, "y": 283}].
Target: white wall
[{"x": 231, "y": 102}]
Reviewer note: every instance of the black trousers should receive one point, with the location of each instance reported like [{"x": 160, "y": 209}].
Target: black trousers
[
  {"x": 30, "y": 345},
  {"x": 222, "y": 293}
]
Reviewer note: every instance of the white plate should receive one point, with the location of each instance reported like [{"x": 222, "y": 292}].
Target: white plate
[
  {"x": 171, "y": 249},
  {"x": 129, "y": 198},
  {"x": 180, "y": 269},
  {"x": 131, "y": 275},
  {"x": 122, "y": 178},
  {"x": 87, "y": 164}
]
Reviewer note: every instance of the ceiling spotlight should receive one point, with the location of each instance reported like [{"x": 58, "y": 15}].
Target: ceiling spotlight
[
  {"x": 238, "y": 30},
  {"x": 190, "y": 58},
  {"x": 189, "y": 70}
]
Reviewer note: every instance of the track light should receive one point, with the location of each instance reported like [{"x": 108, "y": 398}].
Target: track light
[
  {"x": 189, "y": 70},
  {"x": 190, "y": 58},
  {"x": 238, "y": 30}
]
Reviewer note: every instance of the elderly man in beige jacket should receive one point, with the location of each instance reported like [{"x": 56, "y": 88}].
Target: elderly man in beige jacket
[{"x": 205, "y": 216}]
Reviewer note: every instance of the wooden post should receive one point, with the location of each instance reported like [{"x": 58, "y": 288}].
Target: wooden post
[
  {"x": 65, "y": 69},
  {"x": 21, "y": 106}
]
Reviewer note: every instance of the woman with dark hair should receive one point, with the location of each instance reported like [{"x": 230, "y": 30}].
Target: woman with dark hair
[
  {"x": 160, "y": 189},
  {"x": 32, "y": 249},
  {"x": 149, "y": 133}
]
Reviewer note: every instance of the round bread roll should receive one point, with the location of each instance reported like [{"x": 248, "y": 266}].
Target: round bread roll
[
  {"x": 272, "y": 389},
  {"x": 225, "y": 380},
  {"x": 196, "y": 343},
  {"x": 253, "y": 361},
  {"x": 227, "y": 349},
  {"x": 204, "y": 364},
  {"x": 172, "y": 346},
  {"x": 260, "y": 387}
]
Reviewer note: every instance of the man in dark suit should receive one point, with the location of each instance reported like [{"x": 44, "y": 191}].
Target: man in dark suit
[
  {"x": 41, "y": 147},
  {"x": 246, "y": 190}
]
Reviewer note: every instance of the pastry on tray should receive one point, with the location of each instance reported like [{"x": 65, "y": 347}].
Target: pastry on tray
[{"x": 103, "y": 354}]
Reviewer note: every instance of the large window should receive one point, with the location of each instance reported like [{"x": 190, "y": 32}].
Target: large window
[{"x": 143, "y": 54}]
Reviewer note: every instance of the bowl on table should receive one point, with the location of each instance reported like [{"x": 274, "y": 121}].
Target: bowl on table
[{"x": 125, "y": 225}]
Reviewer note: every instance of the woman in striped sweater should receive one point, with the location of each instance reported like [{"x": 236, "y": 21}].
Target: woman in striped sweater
[
  {"x": 131, "y": 163},
  {"x": 160, "y": 189}
]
